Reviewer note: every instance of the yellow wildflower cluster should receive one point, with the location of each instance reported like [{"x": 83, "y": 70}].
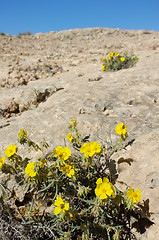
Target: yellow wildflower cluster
[
  {"x": 60, "y": 206},
  {"x": 68, "y": 169},
  {"x": 92, "y": 197},
  {"x": 89, "y": 149},
  {"x": 73, "y": 123},
  {"x": 2, "y": 161},
  {"x": 29, "y": 170},
  {"x": 63, "y": 153},
  {"x": 135, "y": 196},
  {"x": 104, "y": 189},
  {"x": 117, "y": 61},
  {"x": 11, "y": 150}
]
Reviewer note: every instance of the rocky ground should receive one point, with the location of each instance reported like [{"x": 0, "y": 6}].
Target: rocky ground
[{"x": 47, "y": 79}]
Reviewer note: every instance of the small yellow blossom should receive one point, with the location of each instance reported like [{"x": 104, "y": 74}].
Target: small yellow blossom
[
  {"x": 121, "y": 129},
  {"x": 96, "y": 147},
  {"x": 2, "y": 161},
  {"x": 61, "y": 207},
  {"x": 103, "y": 59},
  {"x": 135, "y": 196},
  {"x": 63, "y": 153},
  {"x": 69, "y": 170},
  {"x": 22, "y": 133},
  {"x": 11, "y": 150},
  {"x": 111, "y": 54},
  {"x": 104, "y": 189},
  {"x": 86, "y": 149},
  {"x": 29, "y": 170},
  {"x": 117, "y": 54},
  {"x": 89, "y": 149},
  {"x": 69, "y": 137},
  {"x": 122, "y": 59}
]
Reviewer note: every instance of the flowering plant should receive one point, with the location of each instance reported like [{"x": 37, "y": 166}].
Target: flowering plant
[
  {"x": 78, "y": 191},
  {"x": 116, "y": 61}
]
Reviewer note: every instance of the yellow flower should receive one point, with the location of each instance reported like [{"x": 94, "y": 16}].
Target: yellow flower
[
  {"x": 121, "y": 129},
  {"x": 29, "y": 170},
  {"x": 111, "y": 54},
  {"x": 117, "y": 54},
  {"x": 104, "y": 189},
  {"x": 22, "y": 133},
  {"x": 89, "y": 149},
  {"x": 69, "y": 137},
  {"x": 11, "y": 150},
  {"x": 2, "y": 161},
  {"x": 96, "y": 147},
  {"x": 135, "y": 196},
  {"x": 122, "y": 59},
  {"x": 63, "y": 153},
  {"x": 103, "y": 59},
  {"x": 103, "y": 67},
  {"x": 61, "y": 207},
  {"x": 69, "y": 170}
]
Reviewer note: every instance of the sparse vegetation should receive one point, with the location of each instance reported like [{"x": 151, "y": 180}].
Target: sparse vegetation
[
  {"x": 70, "y": 195},
  {"x": 25, "y": 33},
  {"x": 117, "y": 61},
  {"x": 2, "y": 34}
]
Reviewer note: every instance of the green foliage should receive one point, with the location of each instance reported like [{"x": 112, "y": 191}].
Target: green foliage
[
  {"x": 116, "y": 61},
  {"x": 2, "y": 34},
  {"x": 25, "y": 33},
  {"x": 79, "y": 188}
]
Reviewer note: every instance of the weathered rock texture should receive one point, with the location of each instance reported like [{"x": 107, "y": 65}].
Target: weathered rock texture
[{"x": 47, "y": 79}]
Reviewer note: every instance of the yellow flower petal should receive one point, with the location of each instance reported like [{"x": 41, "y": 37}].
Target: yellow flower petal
[
  {"x": 58, "y": 201},
  {"x": 105, "y": 179},
  {"x": 99, "y": 181},
  {"x": 103, "y": 196},
  {"x": 57, "y": 210}
]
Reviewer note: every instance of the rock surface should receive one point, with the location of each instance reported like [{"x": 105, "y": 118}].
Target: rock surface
[{"x": 47, "y": 79}]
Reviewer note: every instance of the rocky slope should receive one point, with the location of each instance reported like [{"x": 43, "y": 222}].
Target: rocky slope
[{"x": 47, "y": 79}]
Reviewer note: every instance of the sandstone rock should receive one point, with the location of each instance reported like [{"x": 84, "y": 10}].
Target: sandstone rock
[
  {"x": 138, "y": 167},
  {"x": 9, "y": 187}
]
